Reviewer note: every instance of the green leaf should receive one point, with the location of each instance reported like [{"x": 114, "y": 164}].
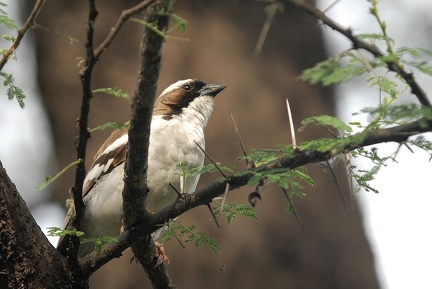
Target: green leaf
[
  {"x": 210, "y": 168},
  {"x": 382, "y": 61},
  {"x": 374, "y": 36},
  {"x": 49, "y": 179},
  {"x": 179, "y": 22},
  {"x": 110, "y": 125},
  {"x": 424, "y": 67},
  {"x": 363, "y": 177},
  {"x": 261, "y": 157},
  {"x": 256, "y": 179},
  {"x": 420, "y": 58},
  {"x": 285, "y": 178},
  {"x": 190, "y": 235},
  {"x": 232, "y": 210},
  {"x": 385, "y": 85},
  {"x": 414, "y": 52},
  {"x": 326, "y": 120},
  {"x": 298, "y": 173},
  {"x": 100, "y": 242},
  {"x": 331, "y": 71},
  {"x": 13, "y": 91},
  {"x": 57, "y": 232},
  {"x": 117, "y": 92},
  {"x": 288, "y": 208},
  {"x": 326, "y": 145},
  {"x": 423, "y": 143},
  {"x": 398, "y": 114},
  {"x": 8, "y": 22}
]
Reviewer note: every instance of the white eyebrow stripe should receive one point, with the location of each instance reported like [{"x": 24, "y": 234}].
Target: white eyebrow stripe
[{"x": 175, "y": 86}]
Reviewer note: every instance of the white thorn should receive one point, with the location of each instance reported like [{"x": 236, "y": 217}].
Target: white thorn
[
  {"x": 294, "y": 142},
  {"x": 224, "y": 197}
]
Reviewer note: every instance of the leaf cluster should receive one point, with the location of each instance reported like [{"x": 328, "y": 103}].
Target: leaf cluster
[
  {"x": 233, "y": 210},
  {"x": 189, "y": 234},
  {"x": 5, "y": 20},
  {"x": 117, "y": 92},
  {"x": 12, "y": 91},
  {"x": 57, "y": 232},
  {"x": 336, "y": 69},
  {"x": 189, "y": 171}
]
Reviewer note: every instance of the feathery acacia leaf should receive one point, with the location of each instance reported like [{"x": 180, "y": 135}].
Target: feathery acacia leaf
[
  {"x": 190, "y": 235},
  {"x": 12, "y": 90},
  {"x": 326, "y": 120},
  {"x": 117, "y": 92}
]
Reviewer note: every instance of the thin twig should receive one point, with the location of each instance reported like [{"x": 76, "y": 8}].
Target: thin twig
[
  {"x": 239, "y": 138},
  {"x": 331, "y": 6},
  {"x": 366, "y": 62},
  {"x": 287, "y": 196},
  {"x": 332, "y": 133},
  {"x": 212, "y": 160},
  {"x": 271, "y": 11},
  {"x": 408, "y": 147},
  {"x": 179, "y": 194},
  {"x": 125, "y": 15},
  {"x": 179, "y": 241},
  {"x": 83, "y": 134},
  {"x": 59, "y": 174},
  {"x": 339, "y": 188},
  {"x": 213, "y": 215},
  {"x": 21, "y": 32}
]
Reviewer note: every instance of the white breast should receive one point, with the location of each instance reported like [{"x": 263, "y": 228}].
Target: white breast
[
  {"x": 170, "y": 145},
  {"x": 171, "y": 142}
]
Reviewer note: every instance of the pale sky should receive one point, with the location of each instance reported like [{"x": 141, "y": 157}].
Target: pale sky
[{"x": 398, "y": 218}]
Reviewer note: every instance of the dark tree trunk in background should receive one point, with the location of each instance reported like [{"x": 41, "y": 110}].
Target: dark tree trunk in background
[{"x": 332, "y": 251}]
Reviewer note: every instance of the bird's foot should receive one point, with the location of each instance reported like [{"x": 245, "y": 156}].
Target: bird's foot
[{"x": 161, "y": 257}]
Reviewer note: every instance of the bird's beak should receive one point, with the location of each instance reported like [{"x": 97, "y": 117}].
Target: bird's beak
[{"x": 212, "y": 89}]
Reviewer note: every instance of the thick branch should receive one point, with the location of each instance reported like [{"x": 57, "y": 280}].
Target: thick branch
[
  {"x": 416, "y": 89},
  {"x": 21, "y": 32},
  {"x": 136, "y": 189},
  {"x": 206, "y": 195},
  {"x": 27, "y": 258}
]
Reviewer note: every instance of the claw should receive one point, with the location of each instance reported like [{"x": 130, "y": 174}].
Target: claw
[{"x": 161, "y": 257}]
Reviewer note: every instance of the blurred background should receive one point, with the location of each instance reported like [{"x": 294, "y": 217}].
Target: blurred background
[{"x": 384, "y": 244}]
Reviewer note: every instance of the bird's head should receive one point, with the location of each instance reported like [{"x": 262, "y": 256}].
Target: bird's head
[{"x": 186, "y": 97}]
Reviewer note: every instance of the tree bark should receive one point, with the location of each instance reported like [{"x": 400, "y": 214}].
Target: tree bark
[{"x": 28, "y": 260}]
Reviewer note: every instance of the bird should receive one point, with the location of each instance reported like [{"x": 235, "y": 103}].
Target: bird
[{"x": 180, "y": 114}]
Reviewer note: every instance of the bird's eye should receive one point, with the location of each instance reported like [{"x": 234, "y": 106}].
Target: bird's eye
[{"x": 187, "y": 87}]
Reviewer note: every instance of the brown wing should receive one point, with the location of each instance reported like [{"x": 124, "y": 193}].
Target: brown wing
[{"x": 108, "y": 157}]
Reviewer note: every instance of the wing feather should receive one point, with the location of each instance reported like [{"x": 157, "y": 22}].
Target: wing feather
[{"x": 111, "y": 154}]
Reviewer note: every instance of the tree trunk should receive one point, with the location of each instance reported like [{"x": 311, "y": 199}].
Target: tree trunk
[{"x": 28, "y": 260}]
